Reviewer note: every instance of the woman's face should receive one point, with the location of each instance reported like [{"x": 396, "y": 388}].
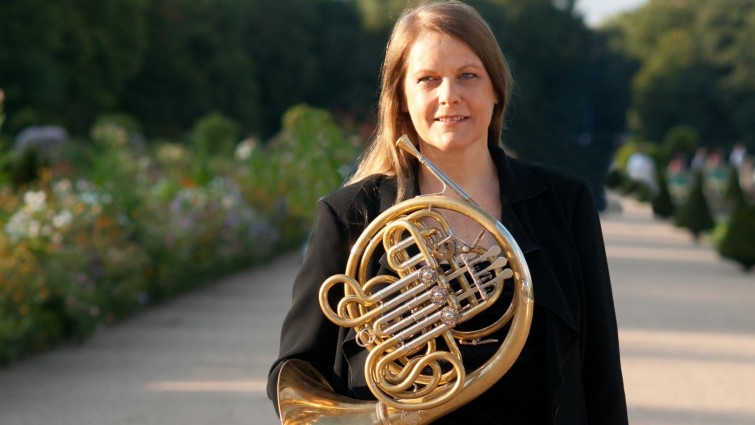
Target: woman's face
[{"x": 448, "y": 93}]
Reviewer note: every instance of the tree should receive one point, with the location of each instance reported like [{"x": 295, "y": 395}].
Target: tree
[
  {"x": 213, "y": 136},
  {"x": 67, "y": 61},
  {"x": 279, "y": 37},
  {"x": 734, "y": 195},
  {"x": 737, "y": 242},
  {"x": 379, "y": 15},
  {"x": 673, "y": 88},
  {"x": 661, "y": 203},
  {"x": 695, "y": 215},
  {"x": 570, "y": 93},
  {"x": 681, "y": 139},
  {"x": 196, "y": 63},
  {"x": 740, "y": 81},
  {"x": 348, "y": 61},
  {"x": 695, "y": 68}
]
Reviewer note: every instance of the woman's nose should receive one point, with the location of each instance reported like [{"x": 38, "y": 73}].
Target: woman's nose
[{"x": 448, "y": 93}]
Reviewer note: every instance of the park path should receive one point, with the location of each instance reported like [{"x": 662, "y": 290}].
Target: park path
[
  {"x": 686, "y": 323},
  {"x": 686, "y": 318}
]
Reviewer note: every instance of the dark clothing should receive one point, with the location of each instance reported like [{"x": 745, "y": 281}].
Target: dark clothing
[{"x": 569, "y": 371}]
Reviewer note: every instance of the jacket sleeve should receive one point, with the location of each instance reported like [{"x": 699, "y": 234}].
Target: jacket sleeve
[
  {"x": 306, "y": 333},
  {"x": 602, "y": 376}
]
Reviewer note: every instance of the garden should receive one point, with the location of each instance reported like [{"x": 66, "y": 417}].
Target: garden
[
  {"x": 139, "y": 192},
  {"x": 709, "y": 193},
  {"x": 97, "y": 229}
]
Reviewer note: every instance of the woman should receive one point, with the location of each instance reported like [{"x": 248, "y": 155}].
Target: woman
[{"x": 445, "y": 84}]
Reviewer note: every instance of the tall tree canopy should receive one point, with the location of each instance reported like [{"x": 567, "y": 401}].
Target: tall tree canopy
[
  {"x": 696, "y": 68},
  {"x": 168, "y": 63},
  {"x": 67, "y": 61}
]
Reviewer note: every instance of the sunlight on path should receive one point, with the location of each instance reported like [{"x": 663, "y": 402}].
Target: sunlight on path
[
  {"x": 690, "y": 371},
  {"x": 686, "y": 324}
]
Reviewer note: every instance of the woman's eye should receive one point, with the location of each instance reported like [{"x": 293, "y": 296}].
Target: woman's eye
[
  {"x": 467, "y": 76},
  {"x": 426, "y": 79}
]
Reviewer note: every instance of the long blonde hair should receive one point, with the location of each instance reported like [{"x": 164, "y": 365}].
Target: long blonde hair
[{"x": 452, "y": 18}]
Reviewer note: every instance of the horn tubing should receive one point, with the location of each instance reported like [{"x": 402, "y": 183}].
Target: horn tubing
[{"x": 408, "y": 321}]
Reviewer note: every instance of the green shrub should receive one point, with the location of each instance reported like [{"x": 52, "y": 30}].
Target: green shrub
[
  {"x": 124, "y": 227},
  {"x": 25, "y": 168},
  {"x": 733, "y": 195},
  {"x": 125, "y": 122},
  {"x": 695, "y": 215},
  {"x": 738, "y": 241},
  {"x": 614, "y": 178},
  {"x": 309, "y": 158},
  {"x": 75, "y": 254},
  {"x": 678, "y": 185},
  {"x": 22, "y": 293},
  {"x": 662, "y": 205},
  {"x": 628, "y": 186},
  {"x": 627, "y": 149},
  {"x": 192, "y": 233},
  {"x": 213, "y": 136},
  {"x": 115, "y": 169},
  {"x": 681, "y": 140}
]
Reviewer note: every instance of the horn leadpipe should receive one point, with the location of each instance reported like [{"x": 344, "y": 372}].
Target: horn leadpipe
[{"x": 405, "y": 144}]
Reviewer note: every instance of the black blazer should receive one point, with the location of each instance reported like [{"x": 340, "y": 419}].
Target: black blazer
[{"x": 553, "y": 219}]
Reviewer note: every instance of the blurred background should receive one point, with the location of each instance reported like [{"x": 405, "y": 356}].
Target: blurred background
[{"x": 149, "y": 147}]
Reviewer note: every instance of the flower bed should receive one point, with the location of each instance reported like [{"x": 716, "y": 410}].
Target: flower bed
[{"x": 111, "y": 228}]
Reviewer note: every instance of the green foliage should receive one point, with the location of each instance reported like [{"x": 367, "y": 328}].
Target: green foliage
[
  {"x": 214, "y": 135},
  {"x": 113, "y": 236},
  {"x": 737, "y": 243},
  {"x": 621, "y": 157},
  {"x": 6, "y": 157},
  {"x": 695, "y": 68},
  {"x": 2, "y": 114},
  {"x": 194, "y": 233},
  {"x": 377, "y": 15},
  {"x": 615, "y": 178},
  {"x": 128, "y": 123},
  {"x": 643, "y": 192},
  {"x": 681, "y": 140},
  {"x": 571, "y": 91},
  {"x": 734, "y": 195},
  {"x": 662, "y": 205},
  {"x": 695, "y": 214},
  {"x": 312, "y": 155},
  {"x": 114, "y": 167},
  {"x": 25, "y": 168},
  {"x": 68, "y": 266},
  {"x": 69, "y": 61},
  {"x": 173, "y": 160},
  {"x": 169, "y": 62},
  {"x": 6, "y": 154},
  {"x": 21, "y": 291},
  {"x": 308, "y": 159},
  {"x": 197, "y": 61},
  {"x": 561, "y": 97},
  {"x": 628, "y": 186}
]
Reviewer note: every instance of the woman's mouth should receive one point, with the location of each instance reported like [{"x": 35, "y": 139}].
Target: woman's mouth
[{"x": 451, "y": 119}]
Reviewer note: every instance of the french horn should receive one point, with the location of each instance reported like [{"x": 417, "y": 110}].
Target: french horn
[{"x": 409, "y": 321}]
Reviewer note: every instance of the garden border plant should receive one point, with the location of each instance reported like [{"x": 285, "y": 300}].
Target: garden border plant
[{"x": 116, "y": 225}]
